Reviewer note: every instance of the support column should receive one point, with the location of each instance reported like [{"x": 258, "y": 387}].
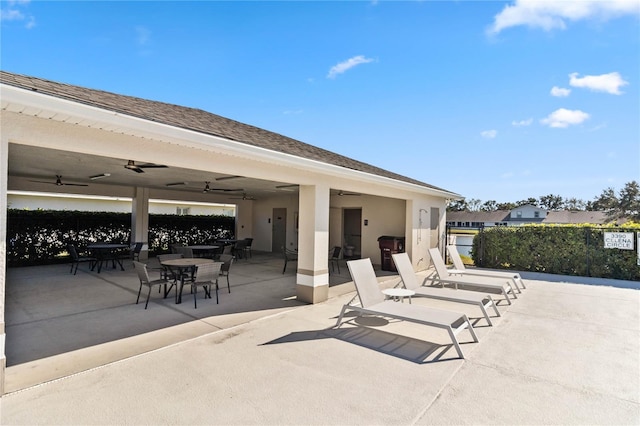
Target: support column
[
  {"x": 4, "y": 173},
  {"x": 140, "y": 220},
  {"x": 312, "y": 279}
]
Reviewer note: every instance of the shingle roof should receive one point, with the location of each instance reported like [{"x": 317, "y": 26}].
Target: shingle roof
[
  {"x": 463, "y": 216},
  {"x": 595, "y": 217},
  {"x": 196, "y": 120}
]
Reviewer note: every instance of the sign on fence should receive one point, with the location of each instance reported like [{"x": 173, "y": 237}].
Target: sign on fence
[{"x": 619, "y": 240}]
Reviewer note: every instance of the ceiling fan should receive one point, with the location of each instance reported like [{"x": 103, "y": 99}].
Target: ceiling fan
[
  {"x": 58, "y": 182},
  {"x": 207, "y": 188},
  {"x": 341, "y": 193},
  {"x": 131, "y": 165},
  {"x": 245, "y": 196}
]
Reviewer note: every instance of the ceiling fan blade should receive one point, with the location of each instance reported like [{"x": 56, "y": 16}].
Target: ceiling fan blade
[
  {"x": 74, "y": 184},
  {"x": 226, "y": 189},
  {"x": 131, "y": 165},
  {"x": 177, "y": 184},
  {"x": 58, "y": 182},
  {"x": 229, "y": 177}
]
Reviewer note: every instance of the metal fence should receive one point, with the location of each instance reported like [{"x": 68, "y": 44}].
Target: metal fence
[{"x": 592, "y": 251}]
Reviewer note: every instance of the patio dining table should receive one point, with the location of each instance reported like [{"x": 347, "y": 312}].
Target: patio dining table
[
  {"x": 180, "y": 267},
  {"x": 105, "y": 252},
  {"x": 202, "y": 250}
]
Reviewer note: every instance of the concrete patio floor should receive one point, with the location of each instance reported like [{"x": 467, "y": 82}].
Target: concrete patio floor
[{"x": 563, "y": 353}]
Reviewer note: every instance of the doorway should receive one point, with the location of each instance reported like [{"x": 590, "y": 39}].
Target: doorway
[
  {"x": 278, "y": 230},
  {"x": 352, "y": 233}
]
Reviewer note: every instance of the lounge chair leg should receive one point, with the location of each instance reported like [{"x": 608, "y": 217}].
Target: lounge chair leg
[
  {"x": 471, "y": 330},
  {"x": 506, "y": 296},
  {"x": 521, "y": 281},
  {"x": 139, "y": 291},
  {"x": 486, "y": 314},
  {"x": 344, "y": 308},
  {"x": 495, "y": 307},
  {"x": 455, "y": 342}
]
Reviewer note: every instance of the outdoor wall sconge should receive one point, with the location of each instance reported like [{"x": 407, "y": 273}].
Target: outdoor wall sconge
[{"x": 366, "y": 222}]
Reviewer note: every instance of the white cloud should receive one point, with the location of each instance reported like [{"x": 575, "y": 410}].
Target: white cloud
[
  {"x": 562, "y": 118},
  {"x": 489, "y": 134},
  {"x": 143, "y": 35},
  {"x": 347, "y": 65},
  {"x": 609, "y": 83},
  {"x": 549, "y": 15},
  {"x": 12, "y": 12},
  {"x": 522, "y": 123},
  {"x": 560, "y": 92}
]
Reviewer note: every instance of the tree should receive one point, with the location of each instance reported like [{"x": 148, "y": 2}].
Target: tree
[
  {"x": 457, "y": 206},
  {"x": 629, "y": 205},
  {"x": 551, "y": 202},
  {"x": 489, "y": 206},
  {"x": 530, "y": 200},
  {"x": 574, "y": 204},
  {"x": 624, "y": 206}
]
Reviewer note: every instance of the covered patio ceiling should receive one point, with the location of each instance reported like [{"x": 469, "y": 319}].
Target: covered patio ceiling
[{"x": 33, "y": 168}]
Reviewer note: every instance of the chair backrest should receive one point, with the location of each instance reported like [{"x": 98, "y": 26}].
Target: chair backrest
[
  {"x": 72, "y": 251},
  {"x": 455, "y": 258},
  {"x": 436, "y": 258},
  {"x": 175, "y": 248},
  {"x": 137, "y": 247},
  {"x": 241, "y": 244},
  {"x": 226, "y": 260},
  {"x": 163, "y": 257},
  {"x": 227, "y": 249},
  {"x": 364, "y": 277},
  {"x": 207, "y": 272},
  {"x": 249, "y": 241},
  {"x": 186, "y": 252},
  {"x": 141, "y": 270},
  {"x": 289, "y": 254},
  {"x": 405, "y": 269},
  {"x": 336, "y": 252}
]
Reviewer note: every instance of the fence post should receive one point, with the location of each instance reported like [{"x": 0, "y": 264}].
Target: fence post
[{"x": 588, "y": 231}]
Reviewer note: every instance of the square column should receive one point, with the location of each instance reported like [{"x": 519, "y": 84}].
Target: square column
[
  {"x": 140, "y": 220},
  {"x": 312, "y": 279},
  {"x": 4, "y": 173}
]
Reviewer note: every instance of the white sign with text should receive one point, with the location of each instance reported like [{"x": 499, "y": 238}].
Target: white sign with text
[{"x": 619, "y": 240}]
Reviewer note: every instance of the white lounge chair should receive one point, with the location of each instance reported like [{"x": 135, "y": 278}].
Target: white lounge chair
[
  {"x": 445, "y": 276},
  {"x": 460, "y": 268},
  {"x": 410, "y": 282},
  {"x": 372, "y": 302}
]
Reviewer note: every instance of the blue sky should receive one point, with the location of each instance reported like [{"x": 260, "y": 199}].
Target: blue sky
[{"x": 496, "y": 100}]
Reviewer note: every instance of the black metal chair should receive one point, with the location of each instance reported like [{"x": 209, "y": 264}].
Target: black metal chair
[
  {"x": 247, "y": 248},
  {"x": 76, "y": 259},
  {"x": 227, "y": 260},
  {"x": 334, "y": 260},
  {"x": 289, "y": 256}
]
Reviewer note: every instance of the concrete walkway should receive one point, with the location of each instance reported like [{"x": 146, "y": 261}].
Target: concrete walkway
[{"x": 561, "y": 354}]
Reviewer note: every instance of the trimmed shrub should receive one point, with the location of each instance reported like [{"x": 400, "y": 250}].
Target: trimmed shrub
[
  {"x": 38, "y": 237},
  {"x": 556, "y": 249}
]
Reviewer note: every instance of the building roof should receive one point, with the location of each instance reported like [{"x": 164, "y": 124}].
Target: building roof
[
  {"x": 559, "y": 217},
  {"x": 566, "y": 216},
  {"x": 495, "y": 216},
  {"x": 197, "y": 120}
]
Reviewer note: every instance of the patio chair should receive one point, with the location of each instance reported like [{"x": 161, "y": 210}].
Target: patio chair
[
  {"x": 143, "y": 276},
  {"x": 372, "y": 302},
  {"x": 166, "y": 273},
  {"x": 410, "y": 282},
  {"x": 206, "y": 276},
  {"x": 239, "y": 249},
  {"x": 334, "y": 260},
  {"x": 227, "y": 260},
  {"x": 76, "y": 259},
  {"x": 458, "y": 264},
  {"x": 289, "y": 256},
  {"x": 446, "y": 276},
  {"x": 247, "y": 248}
]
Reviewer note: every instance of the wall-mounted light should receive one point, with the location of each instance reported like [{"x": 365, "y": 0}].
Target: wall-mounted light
[{"x": 366, "y": 222}]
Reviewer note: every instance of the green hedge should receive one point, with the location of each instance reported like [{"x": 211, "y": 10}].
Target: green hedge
[
  {"x": 38, "y": 237},
  {"x": 556, "y": 249}
]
